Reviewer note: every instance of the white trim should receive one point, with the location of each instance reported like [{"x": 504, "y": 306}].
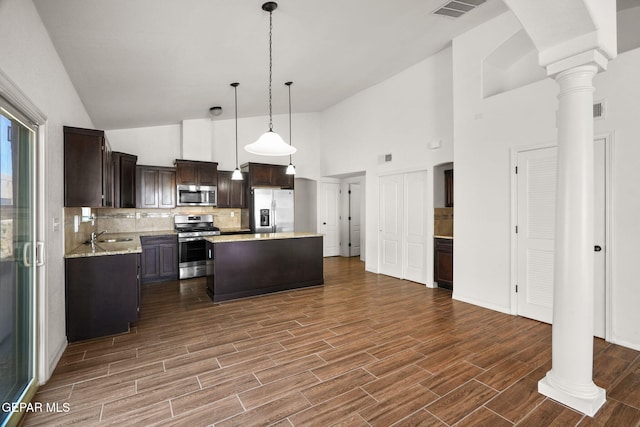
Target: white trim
[
  {"x": 625, "y": 343},
  {"x": 405, "y": 170},
  {"x": 480, "y": 303},
  {"x": 19, "y": 100},
  {"x": 57, "y": 356},
  {"x": 608, "y": 281}
]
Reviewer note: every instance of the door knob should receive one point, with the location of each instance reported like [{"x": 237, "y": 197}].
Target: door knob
[{"x": 597, "y": 248}]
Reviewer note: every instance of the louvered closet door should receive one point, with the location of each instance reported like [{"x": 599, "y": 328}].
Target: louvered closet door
[
  {"x": 536, "y": 219},
  {"x": 536, "y": 230}
]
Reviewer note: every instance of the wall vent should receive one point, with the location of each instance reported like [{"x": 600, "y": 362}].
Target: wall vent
[
  {"x": 598, "y": 110},
  {"x": 457, "y": 8}
]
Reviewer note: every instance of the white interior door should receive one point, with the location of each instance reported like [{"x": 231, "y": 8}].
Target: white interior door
[
  {"x": 415, "y": 242},
  {"x": 536, "y": 232},
  {"x": 330, "y": 218},
  {"x": 355, "y": 200},
  {"x": 391, "y": 224},
  {"x": 536, "y": 189}
]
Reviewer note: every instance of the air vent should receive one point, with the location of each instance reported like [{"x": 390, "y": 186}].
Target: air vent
[
  {"x": 598, "y": 110},
  {"x": 457, "y": 8}
]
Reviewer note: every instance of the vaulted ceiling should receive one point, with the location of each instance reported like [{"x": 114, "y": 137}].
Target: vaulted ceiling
[{"x": 151, "y": 62}]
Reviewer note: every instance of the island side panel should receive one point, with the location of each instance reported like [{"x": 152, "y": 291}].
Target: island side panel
[{"x": 255, "y": 267}]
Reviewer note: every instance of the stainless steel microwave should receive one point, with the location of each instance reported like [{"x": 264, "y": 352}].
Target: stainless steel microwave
[{"x": 197, "y": 195}]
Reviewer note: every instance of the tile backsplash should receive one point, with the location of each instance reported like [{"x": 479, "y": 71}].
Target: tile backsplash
[
  {"x": 443, "y": 222},
  {"x": 135, "y": 220}
]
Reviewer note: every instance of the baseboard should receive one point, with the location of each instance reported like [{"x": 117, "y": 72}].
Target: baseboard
[
  {"x": 624, "y": 343},
  {"x": 479, "y": 303},
  {"x": 55, "y": 360}
]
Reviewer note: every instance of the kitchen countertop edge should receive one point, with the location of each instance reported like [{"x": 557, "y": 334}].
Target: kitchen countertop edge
[
  {"x": 259, "y": 236},
  {"x": 116, "y": 248}
]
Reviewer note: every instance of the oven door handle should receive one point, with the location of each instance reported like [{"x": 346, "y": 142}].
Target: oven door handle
[{"x": 189, "y": 239}]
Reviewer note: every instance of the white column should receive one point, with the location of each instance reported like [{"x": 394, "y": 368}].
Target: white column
[{"x": 570, "y": 380}]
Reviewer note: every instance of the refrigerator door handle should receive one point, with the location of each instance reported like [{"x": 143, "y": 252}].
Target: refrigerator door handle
[
  {"x": 275, "y": 219},
  {"x": 274, "y": 224}
]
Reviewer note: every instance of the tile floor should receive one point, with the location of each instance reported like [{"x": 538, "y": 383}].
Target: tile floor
[{"x": 362, "y": 350}]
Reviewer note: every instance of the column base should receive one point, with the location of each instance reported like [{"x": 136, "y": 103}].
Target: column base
[{"x": 587, "y": 404}]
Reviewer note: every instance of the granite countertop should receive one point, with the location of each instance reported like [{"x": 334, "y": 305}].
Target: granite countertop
[
  {"x": 260, "y": 236},
  {"x": 127, "y": 243},
  {"x": 443, "y": 237}
]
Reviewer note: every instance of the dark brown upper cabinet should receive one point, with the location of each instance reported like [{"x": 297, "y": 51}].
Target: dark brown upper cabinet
[
  {"x": 123, "y": 168},
  {"x": 155, "y": 187},
  {"x": 266, "y": 175},
  {"x": 231, "y": 194},
  {"x": 448, "y": 188},
  {"x": 192, "y": 172},
  {"x": 87, "y": 168}
]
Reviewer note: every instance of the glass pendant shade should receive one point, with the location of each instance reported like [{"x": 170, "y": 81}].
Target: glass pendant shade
[
  {"x": 270, "y": 144},
  {"x": 291, "y": 170},
  {"x": 236, "y": 175}
]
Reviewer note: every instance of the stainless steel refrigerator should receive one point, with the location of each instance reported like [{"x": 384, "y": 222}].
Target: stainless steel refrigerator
[{"x": 273, "y": 210}]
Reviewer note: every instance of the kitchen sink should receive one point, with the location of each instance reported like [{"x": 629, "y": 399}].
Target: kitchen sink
[{"x": 120, "y": 239}]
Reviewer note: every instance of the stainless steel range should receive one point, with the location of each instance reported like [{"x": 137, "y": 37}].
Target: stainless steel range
[{"x": 192, "y": 248}]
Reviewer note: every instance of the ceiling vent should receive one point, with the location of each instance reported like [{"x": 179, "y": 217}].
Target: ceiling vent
[
  {"x": 598, "y": 110},
  {"x": 457, "y": 8}
]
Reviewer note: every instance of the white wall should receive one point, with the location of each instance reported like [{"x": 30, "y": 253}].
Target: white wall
[
  {"x": 400, "y": 116},
  {"x": 161, "y": 145},
  {"x": 29, "y": 59},
  {"x": 619, "y": 87},
  {"x": 154, "y": 146},
  {"x": 486, "y": 130}
]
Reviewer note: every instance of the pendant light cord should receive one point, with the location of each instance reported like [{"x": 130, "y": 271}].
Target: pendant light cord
[
  {"x": 270, "y": 69},
  {"x": 290, "y": 140},
  {"x": 235, "y": 88}
]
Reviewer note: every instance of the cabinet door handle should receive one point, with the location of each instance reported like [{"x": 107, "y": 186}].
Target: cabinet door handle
[{"x": 597, "y": 248}]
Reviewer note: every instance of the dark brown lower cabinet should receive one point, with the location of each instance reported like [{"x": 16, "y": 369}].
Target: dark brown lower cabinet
[
  {"x": 443, "y": 263},
  {"x": 159, "y": 258},
  {"x": 102, "y": 295}
]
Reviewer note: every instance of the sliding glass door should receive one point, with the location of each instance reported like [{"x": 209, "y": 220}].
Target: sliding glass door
[{"x": 17, "y": 263}]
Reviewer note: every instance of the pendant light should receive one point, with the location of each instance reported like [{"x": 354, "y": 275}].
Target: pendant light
[
  {"x": 270, "y": 143},
  {"x": 236, "y": 175},
  {"x": 291, "y": 170}
]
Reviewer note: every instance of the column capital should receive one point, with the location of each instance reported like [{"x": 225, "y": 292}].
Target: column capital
[{"x": 591, "y": 57}]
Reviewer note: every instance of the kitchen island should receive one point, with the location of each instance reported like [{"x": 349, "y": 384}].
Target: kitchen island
[{"x": 246, "y": 265}]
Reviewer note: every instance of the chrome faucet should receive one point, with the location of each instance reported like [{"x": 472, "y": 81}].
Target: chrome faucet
[{"x": 94, "y": 236}]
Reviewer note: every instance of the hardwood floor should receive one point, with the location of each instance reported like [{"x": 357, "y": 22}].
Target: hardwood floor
[{"x": 363, "y": 350}]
